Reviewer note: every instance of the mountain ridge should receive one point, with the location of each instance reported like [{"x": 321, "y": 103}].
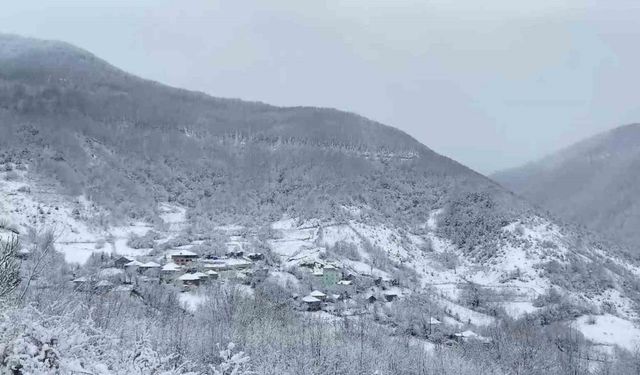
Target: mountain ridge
[
  {"x": 590, "y": 183},
  {"x": 120, "y": 166}
]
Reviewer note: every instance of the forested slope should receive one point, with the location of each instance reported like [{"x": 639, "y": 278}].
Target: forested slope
[
  {"x": 595, "y": 182},
  {"x": 127, "y": 143}
]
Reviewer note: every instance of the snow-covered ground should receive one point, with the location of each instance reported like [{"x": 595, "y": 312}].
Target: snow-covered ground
[
  {"x": 190, "y": 300},
  {"x": 610, "y": 330},
  {"x": 26, "y": 203}
]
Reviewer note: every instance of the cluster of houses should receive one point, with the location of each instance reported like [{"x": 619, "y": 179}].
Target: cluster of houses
[
  {"x": 181, "y": 267},
  {"x": 188, "y": 270},
  {"x": 336, "y": 285}
]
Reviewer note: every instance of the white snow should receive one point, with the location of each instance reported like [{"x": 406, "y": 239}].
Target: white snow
[
  {"x": 172, "y": 215},
  {"x": 518, "y": 309},
  {"x": 191, "y": 301},
  {"x": 610, "y": 330}
]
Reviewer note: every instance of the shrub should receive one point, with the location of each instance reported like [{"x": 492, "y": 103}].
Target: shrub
[
  {"x": 346, "y": 250},
  {"x": 142, "y": 242}
]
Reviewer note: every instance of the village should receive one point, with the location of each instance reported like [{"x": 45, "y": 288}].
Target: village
[{"x": 331, "y": 291}]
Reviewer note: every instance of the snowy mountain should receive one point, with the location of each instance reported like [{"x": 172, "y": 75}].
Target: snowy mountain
[
  {"x": 594, "y": 183},
  {"x": 118, "y": 166}
]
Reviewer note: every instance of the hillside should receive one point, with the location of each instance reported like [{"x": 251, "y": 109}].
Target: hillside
[
  {"x": 594, "y": 183},
  {"x": 126, "y": 144},
  {"x": 319, "y": 223}
]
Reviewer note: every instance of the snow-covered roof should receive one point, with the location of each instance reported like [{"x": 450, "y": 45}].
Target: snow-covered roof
[
  {"x": 434, "y": 321},
  {"x": 200, "y": 274},
  {"x": 330, "y": 267},
  {"x": 211, "y": 272},
  {"x": 227, "y": 263},
  {"x": 317, "y": 293},
  {"x": 150, "y": 265},
  {"x": 189, "y": 277},
  {"x": 310, "y": 299},
  {"x": 133, "y": 263},
  {"x": 80, "y": 280},
  {"x": 171, "y": 267},
  {"x": 345, "y": 282},
  {"x": 237, "y": 262},
  {"x": 183, "y": 253},
  {"x": 318, "y": 272},
  {"x": 104, "y": 283}
]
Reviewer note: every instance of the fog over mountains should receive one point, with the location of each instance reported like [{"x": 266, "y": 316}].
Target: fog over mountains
[
  {"x": 595, "y": 182},
  {"x": 317, "y": 241}
]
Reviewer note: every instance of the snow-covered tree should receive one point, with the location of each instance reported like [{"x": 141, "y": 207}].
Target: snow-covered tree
[{"x": 9, "y": 267}]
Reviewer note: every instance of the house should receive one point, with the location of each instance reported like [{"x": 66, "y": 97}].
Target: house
[
  {"x": 170, "y": 268},
  {"x": 213, "y": 275},
  {"x": 132, "y": 266},
  {"x": 122, "y": 261},
  {"x": 330, "y": 275},
  {"x": 183, "y": 257},
  {"x": 170, "y": 271},
  {"x": 149, "y": 268},
  {"x": 318, "y": 294},
  {"x": 189, "y": 279},
  {"x": 309, "y": 263},
  {"x": 217, "y": 265},
  {"x": 227, "y": 264},
  {"x": 318, "y": 272},
  {"x": 203, "y": 276},
  {"x": 312, "y": 303}
]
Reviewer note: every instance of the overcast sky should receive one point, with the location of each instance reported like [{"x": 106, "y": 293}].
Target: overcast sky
[{"x": 490, "y": 83}]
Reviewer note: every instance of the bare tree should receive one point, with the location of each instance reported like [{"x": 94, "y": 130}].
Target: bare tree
[
  {"x": 42, "y": 246},
  {"x": 9, "y": 267}
]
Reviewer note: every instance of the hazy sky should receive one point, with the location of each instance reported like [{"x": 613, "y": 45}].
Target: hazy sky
[{"x": 490, "y": 83}]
